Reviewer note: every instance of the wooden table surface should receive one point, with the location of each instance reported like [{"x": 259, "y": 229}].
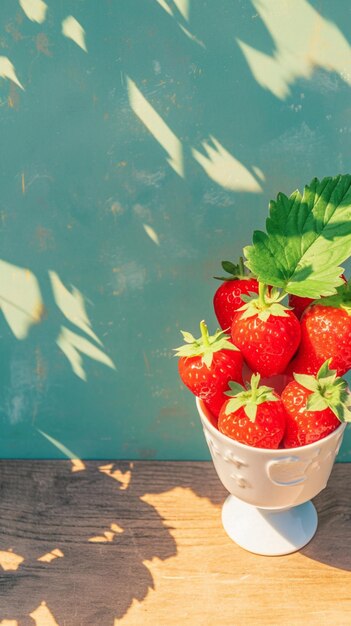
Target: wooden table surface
[{"x": 104, "y": 544}]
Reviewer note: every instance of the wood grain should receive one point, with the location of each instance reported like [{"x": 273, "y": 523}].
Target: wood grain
[{"x": 142, "y": 543}]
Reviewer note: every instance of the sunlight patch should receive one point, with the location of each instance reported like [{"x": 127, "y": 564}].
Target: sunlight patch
[
  {"x": 191, "y": 36},
  {"x": 122, "y": 477},
  {"x": 72, "y": 29},
  {"x": 152, "y": 234},
  {"x": 303, "y": 40},
  {"x": 20, "y": 298},
  {"x": 43, "y": 616},
  {"x": 157, "y": 127},
  {"x": 73, "y": 344},
  {"x": 183, "y": 8},
  {"x": 165, "y": 6},
  {"x": 7, "y": 70},
  {"x": 35, "y": 10},
  {"x": 9, "y": 560},
  {"x": 51, "y": 556},
  {"x": 225, "y": 169},
  {"x": 72, "y": 305},
  {"x": 77, "y": 464},
  {"x": 108, "y": 535}
]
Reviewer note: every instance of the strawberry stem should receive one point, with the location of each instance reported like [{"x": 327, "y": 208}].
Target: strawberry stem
[
  {"x": 261, "y": 295},
  {"x": 255, "y": 381},
  {"x": 204, "y": 333},
  {"x": 250, "y": 398}
]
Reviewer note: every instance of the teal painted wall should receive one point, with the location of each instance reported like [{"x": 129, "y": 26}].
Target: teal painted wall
[{"x": 139, "y": 148}]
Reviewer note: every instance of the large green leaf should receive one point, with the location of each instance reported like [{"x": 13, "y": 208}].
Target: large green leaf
[{"x": 307, "y": 238}]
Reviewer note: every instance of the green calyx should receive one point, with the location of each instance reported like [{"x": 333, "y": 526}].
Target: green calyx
[
  {"x": 234, "y": 271},
  {"x": 264, "y": 304},
  {"x": 249, "y": 398},
  {"x": 205, "y": 346},
  {"x": 341, "y": 300},
  {"x": 328, "y": 392}
]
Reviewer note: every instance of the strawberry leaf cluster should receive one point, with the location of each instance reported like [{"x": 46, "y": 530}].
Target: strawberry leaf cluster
[{"x": 308, "y": 237}]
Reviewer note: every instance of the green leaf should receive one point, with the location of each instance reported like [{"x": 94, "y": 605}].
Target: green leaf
[
  {"x": 230, "y": 267},
  {"x": 341, "y": 300},
  {"x": 316, "y": 402},
  {"x": 246, "y": 298},
  {"x": 234, "y": 405},
  {"x": 207, "y": 359},
  {"x": 307, "y": 238},
  {"x": 325, "y": 372},
  {"x": 235, "y": 388},
  {"x": 342, "y": 412},
  {"x": 251, "y": 411},
  {"x": 278, "y": 310},
  {"x": 307, "y": 381},
  {"x": 235, "y": 271},
  {"x": 188, "y": 337},
  {"x": 263, "y": 315}
]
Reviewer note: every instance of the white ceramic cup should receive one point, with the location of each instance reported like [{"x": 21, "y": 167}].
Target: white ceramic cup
[{"x": 269, "y": 510}]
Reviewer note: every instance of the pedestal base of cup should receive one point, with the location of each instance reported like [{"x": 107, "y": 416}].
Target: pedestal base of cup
[{"x": 267, "y": 532}]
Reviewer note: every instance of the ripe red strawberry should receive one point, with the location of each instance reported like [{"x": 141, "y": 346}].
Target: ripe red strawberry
[
  {"x": 299, "y": 304},
  {"x": 254, "y": 416},
  {"x": 227, "y": 298},
  {"x": 206, "y": 366},
  {"x": 325, "y": 334},
  {"x": 267, "y": 333},
  {"x": 315, "y": 406}
]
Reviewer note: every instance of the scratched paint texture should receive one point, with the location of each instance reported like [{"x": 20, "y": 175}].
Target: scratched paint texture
[{"x": 140, "y": 145}]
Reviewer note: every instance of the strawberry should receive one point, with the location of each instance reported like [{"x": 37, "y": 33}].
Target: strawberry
[
  {"x": 227, "y": 298},
  {"x": 206, "y": 366},
  {"x": 325, "y": 333},
  {"x": 254, "y": 416},
  {"x": 299, "y": 304},
  {"x": 315, "y": 406},
  {"x": 267, "y": 333}
]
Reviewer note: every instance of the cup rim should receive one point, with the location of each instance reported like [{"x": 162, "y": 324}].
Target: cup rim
[{"x": 203, "y": 412}]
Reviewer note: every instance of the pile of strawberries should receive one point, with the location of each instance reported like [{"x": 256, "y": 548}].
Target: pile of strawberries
[{"x": 305, "y": 343}]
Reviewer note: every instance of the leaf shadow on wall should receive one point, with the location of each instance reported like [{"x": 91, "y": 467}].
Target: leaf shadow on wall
[
  {"x": 22, "y": 306},
  {"x": 247, "y": 84}
]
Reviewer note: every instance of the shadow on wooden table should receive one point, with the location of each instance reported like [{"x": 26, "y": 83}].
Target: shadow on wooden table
[
  {"x": 92, "y": 532},
  {"x": 331, "y": 544}
]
